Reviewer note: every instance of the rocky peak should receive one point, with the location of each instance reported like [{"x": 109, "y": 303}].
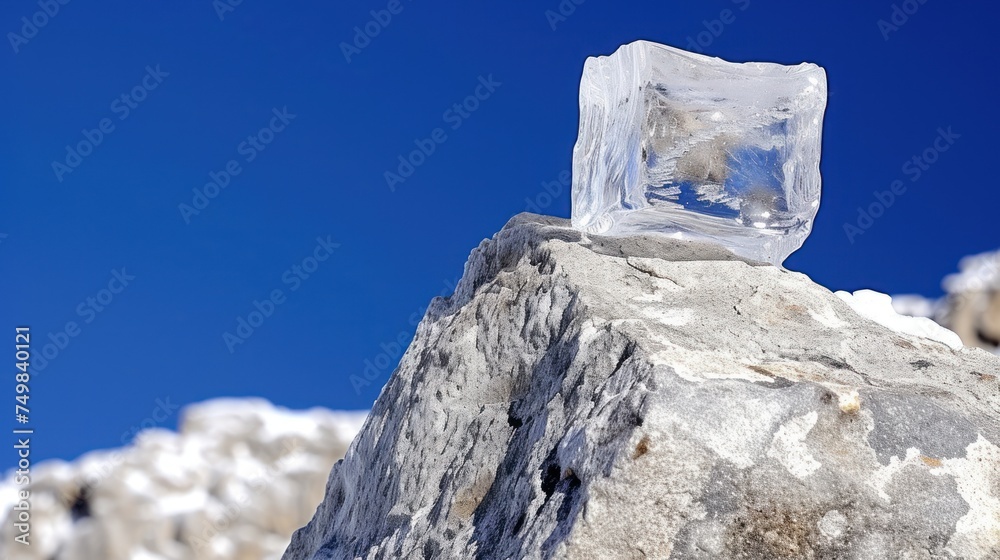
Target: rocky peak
[{"x": 599, "y": 397}]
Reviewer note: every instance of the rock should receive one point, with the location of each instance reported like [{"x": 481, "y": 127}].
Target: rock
[
  {"x": 236, "y": 480},
  {"x": 972, "y": 306},
  {"x": 590, "y": 397}
]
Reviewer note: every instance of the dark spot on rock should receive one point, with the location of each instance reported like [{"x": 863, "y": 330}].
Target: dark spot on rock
[
  {"x": 831, "y": 362},
  {"x": 625, "y": 355},
  {"x": 772, "y": 533},
  {"x": 519, "y": 524},
  {"x": 431, "y": 550},
  {"x": 514, "y": 421},
  {"x": 641, "y": 448},
  {"x": 826, "y": 398},
  {"x": 921, "y": 364},
  {"x": 397, "y": 522},
  {"x": 560, "y": 487},
  {"x": 569, "y": 486},
  {"x": 988, "y": 339},
  {"x": 550, "y": 478},
  {"x": 80, "y": 508},
  {"x": 776, "y": 383},
  {"x": 542, "y": 261},
  {"x": 904, "y": 344}
]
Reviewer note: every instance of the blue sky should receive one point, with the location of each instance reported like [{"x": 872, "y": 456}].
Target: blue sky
[{"x": 297, "y": 139}]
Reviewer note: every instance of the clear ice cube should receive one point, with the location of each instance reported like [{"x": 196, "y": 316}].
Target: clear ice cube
[{"x": 700, "y": 148}]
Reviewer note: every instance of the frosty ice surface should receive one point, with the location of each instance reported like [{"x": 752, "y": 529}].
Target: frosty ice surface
[{"x": 700, "y": 148}]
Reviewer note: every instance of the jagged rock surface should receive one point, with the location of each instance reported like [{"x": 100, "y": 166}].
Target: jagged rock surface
[
  {"x": 639, "y": 397},
  {"x": 233, "y": 483}
]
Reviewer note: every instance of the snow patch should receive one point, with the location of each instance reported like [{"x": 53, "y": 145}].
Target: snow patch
[
  {"x": 878, "y": 307},
  {"x": 236, "y": 480}
]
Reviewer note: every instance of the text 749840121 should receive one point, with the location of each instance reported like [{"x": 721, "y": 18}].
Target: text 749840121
[{"x": 22, "y": 509}]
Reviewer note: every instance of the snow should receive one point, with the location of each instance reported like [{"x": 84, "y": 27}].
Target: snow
[
  {"x": 972, "y": 306},
  {"x": 237, "y": 478},
  {"x": 878, "y": 307},
  {"x": 914, "y": 305},
  {"x": 977, "y": 273}
]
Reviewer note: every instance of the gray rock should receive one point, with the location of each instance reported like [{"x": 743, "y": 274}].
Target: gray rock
[{"x": 642, "y": 397}]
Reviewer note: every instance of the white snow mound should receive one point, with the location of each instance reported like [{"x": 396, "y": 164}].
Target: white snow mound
[
  {"x": 878, "y": 307},
  {"x": 235, "y": 481}
]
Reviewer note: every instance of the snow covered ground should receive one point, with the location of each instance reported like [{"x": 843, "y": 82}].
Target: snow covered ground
[
  {"x": 878, "y": 307},
  {"x": 236, "y": 480},
  {"x": 971, "y": 307}
]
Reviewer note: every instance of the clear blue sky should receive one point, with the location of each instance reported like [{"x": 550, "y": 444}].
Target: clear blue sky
[{"x": 196, "y": 87}]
